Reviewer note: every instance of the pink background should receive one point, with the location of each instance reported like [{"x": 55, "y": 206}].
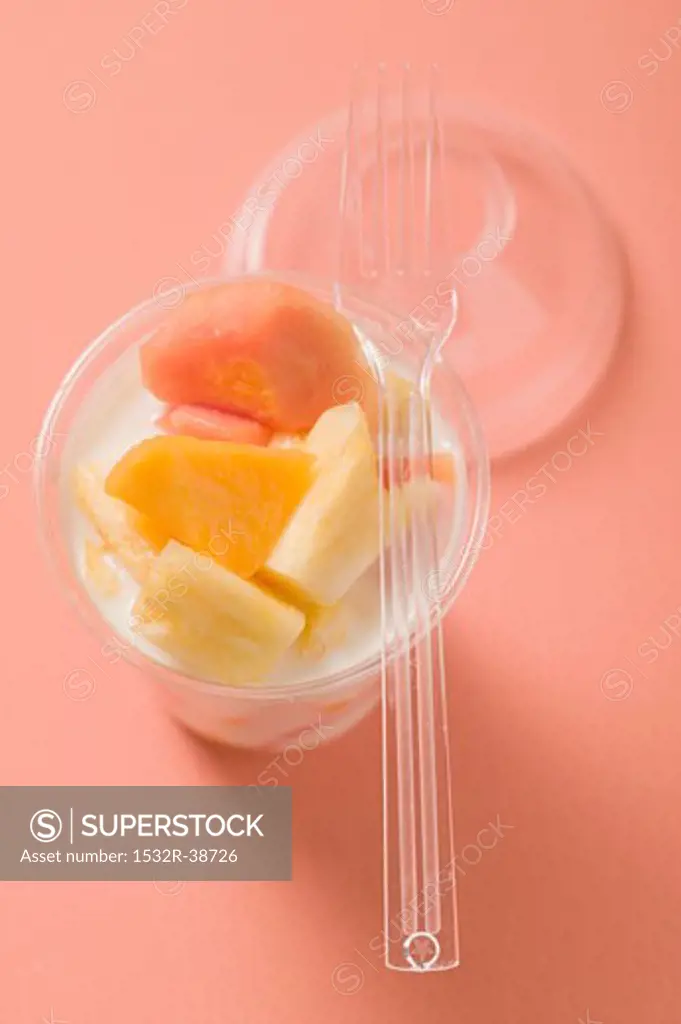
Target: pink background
[{"x": 574, "y": 914}]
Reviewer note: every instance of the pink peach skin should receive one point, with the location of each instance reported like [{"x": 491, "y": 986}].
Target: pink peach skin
[{"x": 213, "y": 425}]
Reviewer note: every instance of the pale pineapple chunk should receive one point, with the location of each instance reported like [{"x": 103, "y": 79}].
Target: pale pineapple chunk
[
  {"x": 333, "y": 537},
  {"x": 115, "y": 522},
  {"x": 217, "y": 625},
  {"x": 100, "y": 574},
  {"x": 326, "y": 630}
]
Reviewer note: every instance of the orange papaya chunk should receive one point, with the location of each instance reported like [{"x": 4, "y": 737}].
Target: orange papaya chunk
[
  {"x": 258, "y": 348},
  {"x": 229, "y": 501}
]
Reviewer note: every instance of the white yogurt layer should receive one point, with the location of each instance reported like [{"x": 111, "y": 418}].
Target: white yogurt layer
[{"x": 119, "y": 413}]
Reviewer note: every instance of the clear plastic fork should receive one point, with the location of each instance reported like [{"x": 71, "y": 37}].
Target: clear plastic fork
[{"x": 392, "y": 203}]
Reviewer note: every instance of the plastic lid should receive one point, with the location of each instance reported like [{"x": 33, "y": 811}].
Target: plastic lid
[{"x": 537, "y": 269}]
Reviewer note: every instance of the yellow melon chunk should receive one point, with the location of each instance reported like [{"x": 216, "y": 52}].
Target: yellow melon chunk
[{"x": 230, "y": 501}]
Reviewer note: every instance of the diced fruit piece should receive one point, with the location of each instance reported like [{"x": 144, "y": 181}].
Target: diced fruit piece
[
  {"x": 228, "y": 500},
  {"x": 398, "y": 391},
  {"x": 213, "y": 425},
  {"x": 440, "y": 468},
  {"x": 415, "y": 497},
  {"x": 258, "y": 348},
  {"x": 333, "y": 536},
  {"x": 326, "y": 630},
  {"x": 218, "y": 626},
  {"x": 334, "y": 706},
  {"x": 100, "y": 574},
  {"x": 125, "y": 533},
  {"x": 288, "y": 441}
]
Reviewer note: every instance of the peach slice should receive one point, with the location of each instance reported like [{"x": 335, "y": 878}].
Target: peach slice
[
  {"x": 257, "y": 348},
  {"x": 213, "y": 425},
  {"x": 226, "y": 500}
]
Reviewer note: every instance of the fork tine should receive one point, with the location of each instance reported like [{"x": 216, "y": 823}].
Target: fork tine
[
  {"x": 382, "y": 224},
  {"x": 347, "y": 182},
  {"x": 409, "y": 142},
  {"x": 428, "y": 175}
]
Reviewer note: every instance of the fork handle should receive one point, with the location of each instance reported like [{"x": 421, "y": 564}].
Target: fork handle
[{"x": 420, "y": 908}]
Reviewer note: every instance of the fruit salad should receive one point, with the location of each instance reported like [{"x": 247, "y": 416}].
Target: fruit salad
[{"x": 250, "y": 511}]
